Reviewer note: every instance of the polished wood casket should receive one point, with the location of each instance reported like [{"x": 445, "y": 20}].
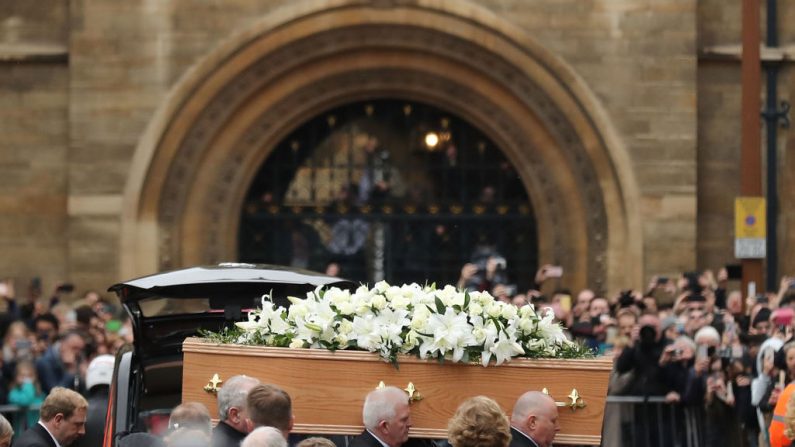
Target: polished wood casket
[{"x": 328, "y": 388}]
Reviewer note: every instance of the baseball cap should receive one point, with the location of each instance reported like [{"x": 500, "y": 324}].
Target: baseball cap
[{"x": 100, "y": 371}]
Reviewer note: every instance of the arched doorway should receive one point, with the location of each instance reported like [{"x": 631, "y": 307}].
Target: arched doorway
[
  {"x": 395, "y": 190},
  {"x": 201, "y": 152}
]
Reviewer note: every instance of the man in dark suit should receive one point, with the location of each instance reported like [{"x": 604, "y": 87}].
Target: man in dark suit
[
  {"x": 235, "y": 423},
  {"x": 387, "y": 419},
  {"x": 534, "y": 421},
  {"x": 62, "y": 421}
]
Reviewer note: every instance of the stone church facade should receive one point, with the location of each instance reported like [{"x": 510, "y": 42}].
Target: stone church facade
[{"x": 131, "y": 130}]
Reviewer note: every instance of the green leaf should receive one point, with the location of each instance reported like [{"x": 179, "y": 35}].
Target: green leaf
[
  {"x": 466, "y": 300},
  {"x": 440, "y": 307}
]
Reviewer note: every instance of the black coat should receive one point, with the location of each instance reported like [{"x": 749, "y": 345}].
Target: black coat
[
  {"x": 364, "y": 440},
  {"x": 95, "y": 417},
  {"x": 35, "y": 436},
  {"x": 226, "y": 436},
  {"x": 518, "y": 439},
  {"x": 367, "y": 440}
]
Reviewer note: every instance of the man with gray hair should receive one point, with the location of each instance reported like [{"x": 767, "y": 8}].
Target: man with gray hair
[
  {"x": 534, "y": 421},
  {"x": 234, "y": 423},
  {"x": 264, "y": 437},
  {"x": 386, "y": 417}
]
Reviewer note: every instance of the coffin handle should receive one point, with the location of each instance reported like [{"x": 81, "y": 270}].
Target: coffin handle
[{"x": 575, "y": 401}]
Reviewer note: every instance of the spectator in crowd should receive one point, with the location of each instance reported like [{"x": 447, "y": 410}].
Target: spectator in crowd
[
  {"x": 63, "y": 364},
  {"x": 45, "y": 328},
  {"x": 643, "y": 359},
  {"x": 270, "y": 406},
  {"x": 6, "y": 432},
  {"x": 234, "y": 423},
  {"x": 98, "y": 378},
  {"x": 479, "y": 422},
  {"x": 264, "y": 436},
  {"x": 534, "y": 420},
  {"x": 387, "y": 419},
  {"x": 63, "y": 420},
  {"x": 26, "y": 391}
]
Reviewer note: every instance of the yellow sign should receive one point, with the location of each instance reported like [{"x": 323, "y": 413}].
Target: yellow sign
[{"x": 749, "y": 218}]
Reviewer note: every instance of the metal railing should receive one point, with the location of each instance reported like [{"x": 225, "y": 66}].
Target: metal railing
[
  {"x": 19, "y": 416},
  {"x": 651, "y": 421}
]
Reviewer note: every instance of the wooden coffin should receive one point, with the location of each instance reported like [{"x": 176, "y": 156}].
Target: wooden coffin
[{"x": 328, "y": 388}]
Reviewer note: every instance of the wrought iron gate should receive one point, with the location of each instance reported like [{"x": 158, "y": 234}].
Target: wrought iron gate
[{"x": 389, "y": 190}]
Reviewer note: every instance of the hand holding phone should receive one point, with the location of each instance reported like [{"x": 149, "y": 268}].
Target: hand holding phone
[{"x": 554, "y": 271}]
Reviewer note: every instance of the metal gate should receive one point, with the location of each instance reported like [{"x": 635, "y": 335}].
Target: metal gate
[{"x": 389, "y": 190}]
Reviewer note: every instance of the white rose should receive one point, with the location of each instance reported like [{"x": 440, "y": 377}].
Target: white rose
[
  {"x": 297, "y": 343},
  {"x": 346, "y": 308},
  {"x": 509, "y": 312},
  {"x": 378, "y": 302},
  {"x": 495, "y": 309},
  {"x": 475, "y": 309},
  {"x": 345, "y": 327},
  {"x": 526, "y": 325},
  {"x": 381, "y": 286},
  {"x": 342, "y": 339}
]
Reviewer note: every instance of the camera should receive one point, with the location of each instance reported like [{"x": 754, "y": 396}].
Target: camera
[
  {"x": 500, "y": 262},
  {"x": 626, "y": 299}
]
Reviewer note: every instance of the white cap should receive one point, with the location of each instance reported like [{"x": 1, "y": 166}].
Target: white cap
[{"x": 100, "y": 371}]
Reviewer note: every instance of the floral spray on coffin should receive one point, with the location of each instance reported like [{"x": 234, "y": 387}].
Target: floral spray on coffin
[{"x": 414, "y": 328}]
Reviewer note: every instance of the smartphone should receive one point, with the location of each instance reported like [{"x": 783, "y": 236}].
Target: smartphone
[
  {"x": 701, "y": 353},
  {"x": 3, "y": 289},
  {"x": 554, "y": 271}
]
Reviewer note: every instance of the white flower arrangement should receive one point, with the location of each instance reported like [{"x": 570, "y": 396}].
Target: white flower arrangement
[{"x": 443, "y": 324}]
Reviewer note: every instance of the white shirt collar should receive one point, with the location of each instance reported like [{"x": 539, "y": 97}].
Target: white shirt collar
[
  {"x": 378, "y": 439},
  {"x": 57, "y": 444}
]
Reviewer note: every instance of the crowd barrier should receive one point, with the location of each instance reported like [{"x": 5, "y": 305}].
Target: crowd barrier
[
  {"x": 650, "y": 421},
  {"x": 19, "y": 416}
]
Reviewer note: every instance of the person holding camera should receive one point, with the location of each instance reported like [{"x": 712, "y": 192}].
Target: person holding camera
[{"x": 63, "y": 364}]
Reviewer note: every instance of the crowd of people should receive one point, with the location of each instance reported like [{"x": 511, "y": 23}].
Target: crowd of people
[{"x": 695, "y": 342}]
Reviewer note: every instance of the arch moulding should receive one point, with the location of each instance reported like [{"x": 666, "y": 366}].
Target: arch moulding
[{"x": 193, "y": 165}]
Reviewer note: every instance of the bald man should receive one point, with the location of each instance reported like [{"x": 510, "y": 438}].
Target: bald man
[
  {"x": 534, "y": 421},
  {"x": 387, "y": 419}
]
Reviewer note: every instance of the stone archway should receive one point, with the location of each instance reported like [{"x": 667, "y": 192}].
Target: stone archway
[{"x": 193, "y": 166}]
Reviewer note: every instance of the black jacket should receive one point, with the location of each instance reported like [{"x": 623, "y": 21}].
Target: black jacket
[
  {"x": 226, "y": 436},
  {"x": 518, "y": 439},
  {"x": 35, "y": 436}
]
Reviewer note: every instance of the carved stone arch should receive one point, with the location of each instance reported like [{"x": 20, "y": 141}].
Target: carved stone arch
[{"x": 193, "y": 166}]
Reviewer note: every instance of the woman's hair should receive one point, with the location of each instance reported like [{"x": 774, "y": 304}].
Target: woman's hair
[
  {"x": 6, "y": 432},
  {"x": 316, "y": 442},
  {"x": 479, "y": 422}
]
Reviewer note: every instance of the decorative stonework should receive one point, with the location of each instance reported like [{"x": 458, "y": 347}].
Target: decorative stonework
[{"x": 315, "y": 98}]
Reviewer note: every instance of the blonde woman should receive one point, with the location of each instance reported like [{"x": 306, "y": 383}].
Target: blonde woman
[{"x": 479, "y": 422}]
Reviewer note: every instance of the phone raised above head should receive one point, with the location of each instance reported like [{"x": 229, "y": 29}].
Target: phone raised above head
[{"x": 553, "y": 271}]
